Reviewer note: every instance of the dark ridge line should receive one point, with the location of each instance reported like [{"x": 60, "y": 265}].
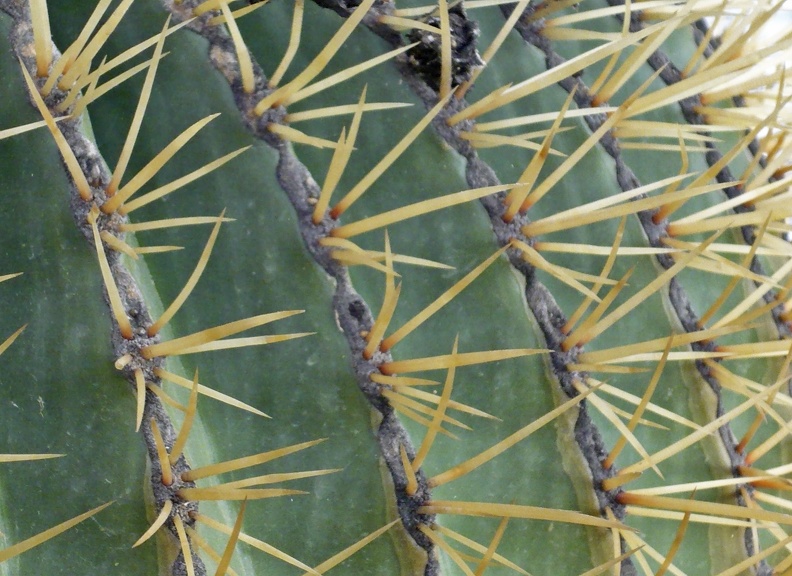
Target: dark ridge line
[
  {"x": 353, "y": 313},
  {"x": 297, "y": 187},
  {"x": 671, "y": 74},
  {"x": 655, "y": 232},
  {"x": 748, "y": 232},
  {"x": 98, "y": 175},
  {"x": 546, "y": 311}
]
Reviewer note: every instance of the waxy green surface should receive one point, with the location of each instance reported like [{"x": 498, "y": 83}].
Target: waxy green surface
[{"x": 260, "y": 265}]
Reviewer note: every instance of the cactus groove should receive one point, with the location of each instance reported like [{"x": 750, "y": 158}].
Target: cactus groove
[{"x": 463, "y": 288}]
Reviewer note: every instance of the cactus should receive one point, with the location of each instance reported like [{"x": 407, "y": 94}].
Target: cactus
[{"x": 466, "y": 288}]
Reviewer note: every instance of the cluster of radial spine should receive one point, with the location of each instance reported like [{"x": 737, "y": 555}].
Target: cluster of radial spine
[
  {"x": 412, "y": 490},
  {"x": 610, "y": 498},
  {"x": 99, "y": 205},
  {"x": 656, "y": 228},
  {"x": 410, "y": 482},
  {"x": 567, "y": 376}
]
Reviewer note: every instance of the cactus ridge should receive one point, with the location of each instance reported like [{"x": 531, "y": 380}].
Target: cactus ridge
[
  {"x": 138, "y": 352},
  {"x": 671, "y": 74},
  {"x": 154, "y": 414},
  {"x": 141, "y": 352},
  {"x": 658, "y": 232},
  {"x": 479, "y": 174},
  {"x": 549, "y": 317},
  {"x": 539, "y": 299},
  {"x": 355, "y": 315}
]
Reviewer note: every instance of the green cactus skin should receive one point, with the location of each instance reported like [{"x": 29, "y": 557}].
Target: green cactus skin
[{"x": 62, "y": 395}]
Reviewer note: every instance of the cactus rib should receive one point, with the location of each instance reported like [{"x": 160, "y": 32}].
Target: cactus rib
[
  {"x": 353, "y": 313},
  {"x": 154, "y": 416},
  {"x": 292, "y": 176},
  {"x": 628, "y": 181},
  {"x": 657, "y": 233},
  {"x": 140, "y": 353}
]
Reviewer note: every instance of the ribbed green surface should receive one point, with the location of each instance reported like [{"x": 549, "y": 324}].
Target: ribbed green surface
[
  {"x": 515, "y": 391},
  {"x": 258, "y": 266},
  {"x": 60, "y": 392}
]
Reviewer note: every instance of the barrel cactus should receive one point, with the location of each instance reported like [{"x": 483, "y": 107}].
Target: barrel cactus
[{"x": 354, "y": 287}]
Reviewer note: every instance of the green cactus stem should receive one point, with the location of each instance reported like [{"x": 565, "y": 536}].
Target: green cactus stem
[{"x": 454, "y": 289}]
